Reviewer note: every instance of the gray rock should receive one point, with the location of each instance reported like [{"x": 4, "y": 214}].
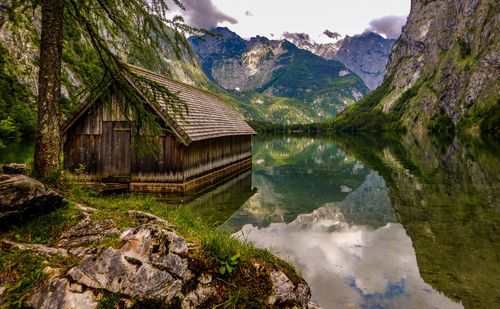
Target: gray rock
[
  {"x": 205, "y": 278},
  {"x": 83, "y": 251},
  {"x": 149, "y": 266},
  {"x": 41, "y": 249},
  {"x": 23, "y": 196},
  {"x": 198, "y": 297},
  {"x": 149, "y": 218},
  {"x": 367, "y": 56},
  {"x": 87, "y": 232},
  {"x": 86, "y": 209},
  {"x": 161, "y": 248},
  {"x": 283, "y": 288},
  {"x": 118, "y": 273},
  {"x": 58, "y": 293},
  {"x": 15, "y": 168},
  {"x": 285, "y": 291}
]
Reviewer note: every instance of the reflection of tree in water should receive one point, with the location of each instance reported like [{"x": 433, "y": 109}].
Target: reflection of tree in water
[{"x": 446, "y": 195}]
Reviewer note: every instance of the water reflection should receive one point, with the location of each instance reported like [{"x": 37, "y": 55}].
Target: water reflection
[
  {"x": 218, "y": 204},
  {"x": 17, "y": 151},
  {"x": 296, "y": 175},
  {"x": 446, "y": 195},
  {"x": 373, "y": 221},
  {"x": 351, "y": 265}
]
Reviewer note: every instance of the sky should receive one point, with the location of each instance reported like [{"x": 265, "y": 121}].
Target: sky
[{"x": 272, "y": 18}]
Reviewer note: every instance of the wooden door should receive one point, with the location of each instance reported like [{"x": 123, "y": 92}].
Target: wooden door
[{"x": 116, "y": 151}]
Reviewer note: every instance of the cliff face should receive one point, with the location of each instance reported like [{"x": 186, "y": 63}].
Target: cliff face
[
  {"x": 367, "y": 56},
  {"x": 278, "y": 68},
  {"x": 445, "y": 66}
]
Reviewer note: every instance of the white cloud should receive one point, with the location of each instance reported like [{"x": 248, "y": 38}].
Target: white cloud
[{"x": 389, "y": 26}]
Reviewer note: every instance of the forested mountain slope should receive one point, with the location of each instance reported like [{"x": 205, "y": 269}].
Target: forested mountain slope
[{"x": 278, "y": 68}]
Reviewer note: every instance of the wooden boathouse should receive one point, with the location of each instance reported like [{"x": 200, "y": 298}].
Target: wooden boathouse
[{"x": 209, "y": 143}]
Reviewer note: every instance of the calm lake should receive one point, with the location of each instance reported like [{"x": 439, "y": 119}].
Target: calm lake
[
  {"x": 370, "y": 221},
  {"x": 373, "y": 222}
]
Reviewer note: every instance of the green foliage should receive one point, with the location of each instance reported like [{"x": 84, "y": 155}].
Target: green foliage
[
  {"x": 441, "y": 124},
  {"x": 80, "y": 169},
  {"x": 108, "y": 299},
  {"x": 364, "y": 116},
  {"x": 17, "y": 112},
  {"x": 485, "y": 115},
  {"x": 401, "y": 105},
  {"x": 320, "y": 76},
  {"x": 464, "y": 48},
  {"x": 491, "y": 121},
  {"x": 228, "y": 264},
  {"x": 7, "y": 128}
]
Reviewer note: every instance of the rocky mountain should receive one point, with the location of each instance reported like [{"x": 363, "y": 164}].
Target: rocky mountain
[
  {"x": 365, "y": 54},
  {"x": 443, "y": 72},
  {"x": 325, "y": 50},
  {"x": 278, "y": 68},
  {"x": 81, "y": 68}
]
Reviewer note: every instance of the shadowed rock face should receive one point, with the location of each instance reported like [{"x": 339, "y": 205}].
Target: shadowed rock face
[
  {"x": 367, "y": 56},
  {"x": 15, "y": 168},
  {"x": 22, "y": 196}
]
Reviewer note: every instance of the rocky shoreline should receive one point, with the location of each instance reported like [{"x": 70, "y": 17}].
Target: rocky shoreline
[{"x": 149, "y": 265}]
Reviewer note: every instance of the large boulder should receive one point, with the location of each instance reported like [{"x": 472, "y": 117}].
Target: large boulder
[
  {"x": 153, "y": 268},
  {"x": 23, "y": 196}
]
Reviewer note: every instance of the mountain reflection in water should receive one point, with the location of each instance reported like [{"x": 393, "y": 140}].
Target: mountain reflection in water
[
  {"x": 348, "y": 265},
  {"x": 380, "y": 221},
  {"x": 370, "y": 221}
]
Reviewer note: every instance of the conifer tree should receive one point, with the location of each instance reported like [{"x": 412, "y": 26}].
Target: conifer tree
[{"x": 109, "y": 26}]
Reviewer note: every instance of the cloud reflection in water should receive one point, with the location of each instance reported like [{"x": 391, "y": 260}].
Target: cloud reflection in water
[{"x": 347, "y": 265}]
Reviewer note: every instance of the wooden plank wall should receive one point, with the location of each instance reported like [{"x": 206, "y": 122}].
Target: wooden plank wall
[
  {"x": 207, "y": 155},
  {"x": 83, "y": 141},
  {"x": 167, "y": 166},
  {"x": 173, "y": 162}
]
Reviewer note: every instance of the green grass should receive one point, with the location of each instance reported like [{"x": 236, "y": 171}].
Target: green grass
[
  {"x": 243, "y": 287},
  {"x": 24, "y": 271},
  {"x": 44, "y": 229}
]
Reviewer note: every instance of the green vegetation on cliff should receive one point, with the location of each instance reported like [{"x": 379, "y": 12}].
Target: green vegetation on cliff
[
  {"x": 442, "y": 76},
  {"x": 17, "y": 111}
]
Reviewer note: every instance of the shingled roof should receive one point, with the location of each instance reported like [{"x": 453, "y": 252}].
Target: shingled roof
[{"x": 208, "y": 115}]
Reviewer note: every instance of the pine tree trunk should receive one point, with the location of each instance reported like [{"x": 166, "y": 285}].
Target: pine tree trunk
[{"x": 48, "y": 140}]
